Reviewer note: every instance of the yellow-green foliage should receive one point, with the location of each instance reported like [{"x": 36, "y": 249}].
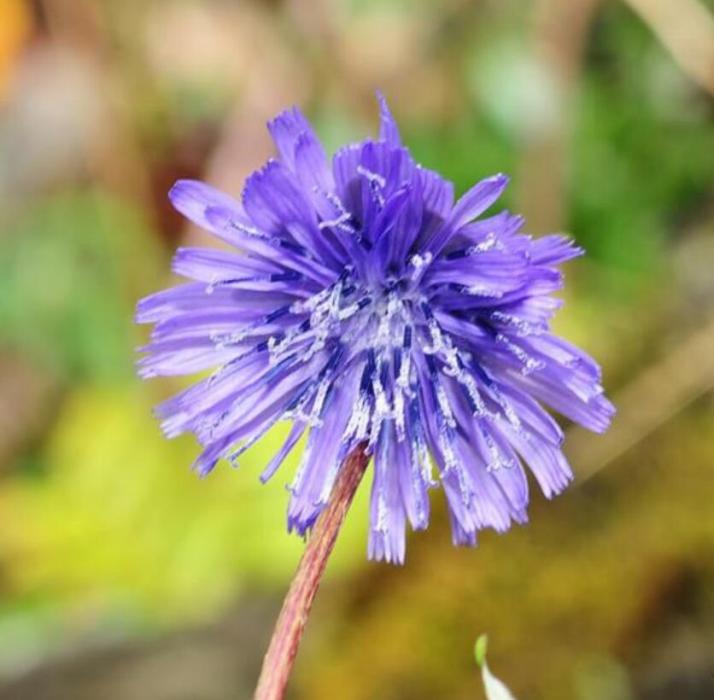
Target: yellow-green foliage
[{"x": 119, "y": 519}]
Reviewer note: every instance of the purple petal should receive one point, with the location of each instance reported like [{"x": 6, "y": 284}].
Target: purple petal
[
  {"x": 388, "y": 130},
  {"x": 479, "y": 198}
]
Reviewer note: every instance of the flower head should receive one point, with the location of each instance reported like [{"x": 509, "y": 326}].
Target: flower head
[{"x": 369, "y": 307}]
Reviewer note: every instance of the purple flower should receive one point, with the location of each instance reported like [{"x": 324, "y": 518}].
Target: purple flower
[{"x": 368, "y": 307}]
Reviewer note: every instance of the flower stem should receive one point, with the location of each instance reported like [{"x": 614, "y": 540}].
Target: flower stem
[{"x": 280, "y": 657}]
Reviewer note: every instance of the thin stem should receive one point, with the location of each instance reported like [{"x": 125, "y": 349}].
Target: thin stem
[{"x": 280, "y": 657}]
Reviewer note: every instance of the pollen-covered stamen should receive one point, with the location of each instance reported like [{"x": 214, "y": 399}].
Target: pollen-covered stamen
[
  {"x": 381, "y": 524},
  {"x": 376, "y": 184},
  {"x": 248, "y": 230},
  {"x": 223, "y": 340},
  {"x": 528, "y": 364},
  {"x": 320, "y": 387},
  {"x": 446, "y": 445},
  {"x": 296, "y": 409},
  {"x": 491, "y": 242},
  {"x": 387, "y": 311},
  {"x": 326, "y": 312},
  {"x": 274, "y": 241},
  {"x": 481, "y": 290},
  {"x": 283, "y": 343},
  {"x": 382, "y": 410},
  {"x": 211, "y": 286},
  {"x": 503, "y": 403},
  {"x": 343, "y": 220},
  {"x": 445, "y": 412},
  {"x": 313, "y": 391},
  {"x": 374, "y": 332},
  {"x": 390, "y": 378},
  {"x": 454, "y": 467},
  {"x": 399, "y": 416},
  {"x": 258, "y": 328},
  {"x": 313, "y": 419},
  {"x": 287, "y": 251},
  {"x": 404, "y": 370},
  {"x": 521, "y": 327},
  {"x": 419, "y": 264},
  {"x": 322, "y": 392},
  {"x": 497, "y": 460},
  {"x": 420, "y": 452},
  {"x": 468, "y": 383},
  {"x": 359, "y": 423},
  {"x": 349, "y": 311},
  {"x": 508, "y": 411},
  {"x": 439, "y": 344},
  {"x": 446, "y": 420},
  {"x": 217, "y": 282},
  {"x": 455, "y": 363},
  {"x": 324, "y": 309},
  {"x": 313, "y": 302},
  {"x": 402, "y": 382}
]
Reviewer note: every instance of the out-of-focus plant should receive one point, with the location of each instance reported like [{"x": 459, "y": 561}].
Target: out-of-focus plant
[
  {"x": 68, "y": 270},
  {"x": 495, "y": 689},
  {"x": 102, "y": 534},
  {"x": 125, "y": 529}
]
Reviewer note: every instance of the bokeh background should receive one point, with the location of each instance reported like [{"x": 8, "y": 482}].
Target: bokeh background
[{"x": 123, "y": 576}]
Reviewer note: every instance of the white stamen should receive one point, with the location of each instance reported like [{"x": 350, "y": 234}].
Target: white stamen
[
  {"x": 372, "y": 176},
  {"x": 529, "y": 364},
  {"x": 483, "y": 291},
  {"x": 445, "y": 406},
  {"x": 418, "y": 261}
]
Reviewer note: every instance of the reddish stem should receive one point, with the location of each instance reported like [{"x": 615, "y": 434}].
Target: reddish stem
[{"x": 280, "y": 657}]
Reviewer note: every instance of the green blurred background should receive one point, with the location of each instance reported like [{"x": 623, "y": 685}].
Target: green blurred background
[{"x": 123, "y": 576}]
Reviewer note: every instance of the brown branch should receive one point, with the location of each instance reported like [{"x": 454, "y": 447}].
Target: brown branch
[{"x": 280, "y": 657}]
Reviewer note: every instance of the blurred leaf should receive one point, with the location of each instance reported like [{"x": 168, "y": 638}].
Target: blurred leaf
[
  {"x": 71, "y": 270},
  {"x": 122, "y": 521},
  {"x": 641, "y": 147},
  {"x": 495, "y": 689},
  {"x": 480, "y": 649},
  {"x": 465, "y": 150}
]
